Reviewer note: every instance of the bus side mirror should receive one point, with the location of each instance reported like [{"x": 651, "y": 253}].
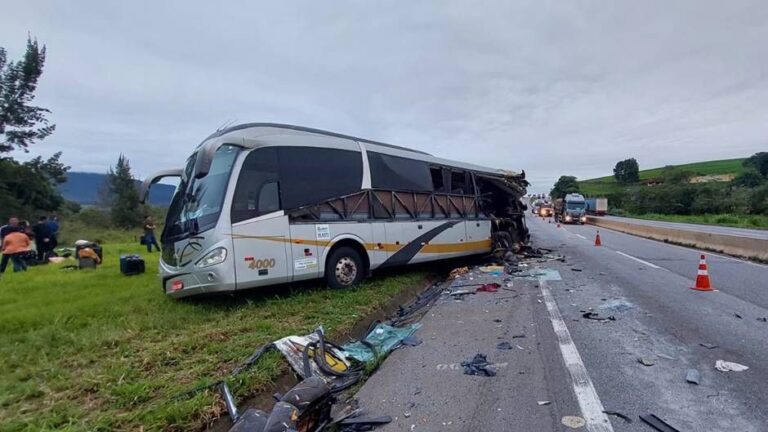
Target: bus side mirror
[
  {"x": 204, "y": 160},
  {"x": 154, "y": 178}
]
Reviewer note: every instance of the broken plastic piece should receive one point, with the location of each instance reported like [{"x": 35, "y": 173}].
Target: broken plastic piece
[
  {"x": 708, "y": 345},
  {"x": 504, "y": 346},
  {"x": 645, "y": 361},
  {"x": 619, "y": 415},
  {"x": 478, "y": 366},
  {"x": 595, "y": 316},
  {"x": 660, "y": 425},
  {"x": 542, "y": 403},
  {"x": 411, "y": 341},
  {"x": 693, "y": 376},
  {"x": 725, "y": 366}
]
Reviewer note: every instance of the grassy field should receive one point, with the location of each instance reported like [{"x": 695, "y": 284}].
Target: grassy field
[
  {"x": 95, "y": 350},
  {"x": 606, "y": 185},
  {"x": 732, "y": 220}
]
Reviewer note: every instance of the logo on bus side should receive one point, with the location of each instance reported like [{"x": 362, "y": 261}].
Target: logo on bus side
[{"x": 265, "y": 263}]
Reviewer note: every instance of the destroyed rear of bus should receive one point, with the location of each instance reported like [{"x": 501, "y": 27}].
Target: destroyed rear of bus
[{"x": 500, "y": 197}]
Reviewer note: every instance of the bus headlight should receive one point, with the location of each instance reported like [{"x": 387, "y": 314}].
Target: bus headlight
[{"x": 216, "y": 256}]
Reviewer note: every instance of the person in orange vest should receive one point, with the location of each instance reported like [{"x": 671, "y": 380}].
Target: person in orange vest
[{"x": 16, "y": 245}]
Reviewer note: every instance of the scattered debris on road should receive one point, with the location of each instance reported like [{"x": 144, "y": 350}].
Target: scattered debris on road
[
  {"x": 645, "y": 361},
  {"x": 708, "y": 345},
  {"x": 737, "y": 315},
  {"x": 479, "y": 365},
  {"x": 617, "y": 305},
  {"x": 358, "y": 424},
  {"x": 544, "y": 402},
  {"x": 504, "y": 346},
  {"x": 619, "y": 415},
  {"x": 693, "y": 376},
  {"x": 725, "y": 366},
  {"x": 458, "y": 272},
  {"x": 763, "y": 319},
  {"x": 655, "y": 422},
  {"x": 573, "y": 422},
  {"x": 596, "y": 317}
]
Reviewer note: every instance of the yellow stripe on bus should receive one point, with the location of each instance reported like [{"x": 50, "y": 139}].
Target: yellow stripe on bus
[{"x": 480, "y": 245}]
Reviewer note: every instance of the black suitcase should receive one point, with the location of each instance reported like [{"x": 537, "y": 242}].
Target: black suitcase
[{"x": 131, "y": 265}]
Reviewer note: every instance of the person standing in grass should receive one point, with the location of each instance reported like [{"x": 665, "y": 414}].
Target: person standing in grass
[
  {"x": 149, "y": 234},
  {"x": 16, "y": 245},
  {"x": 42, "y": 238},
  {"x": 53, "y": 226},
  {"x": 13, "y": 225}
]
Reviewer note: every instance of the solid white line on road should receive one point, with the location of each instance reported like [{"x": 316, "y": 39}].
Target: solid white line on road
[
  {"x": 579, "y": 235},
  {"x": 638, "y": 260},
  {"x": 589, "y": 401}
]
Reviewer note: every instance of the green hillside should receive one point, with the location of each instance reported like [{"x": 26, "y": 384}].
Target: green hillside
[{"x": 608, "y": 185}]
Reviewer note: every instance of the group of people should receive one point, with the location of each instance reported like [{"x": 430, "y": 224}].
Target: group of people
[{"x": 17, "y": 239}]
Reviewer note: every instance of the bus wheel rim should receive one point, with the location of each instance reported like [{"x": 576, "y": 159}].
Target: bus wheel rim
[{"x": 346, "y": 271}]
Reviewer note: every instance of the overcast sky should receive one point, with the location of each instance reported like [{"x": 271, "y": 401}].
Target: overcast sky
[{"x": 551, "y": 87}]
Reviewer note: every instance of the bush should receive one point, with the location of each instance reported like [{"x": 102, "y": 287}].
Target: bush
[{"x": 758, "y": 200}]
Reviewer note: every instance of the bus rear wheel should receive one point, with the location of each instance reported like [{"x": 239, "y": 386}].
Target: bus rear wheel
[{"x": 344, "y": 268}]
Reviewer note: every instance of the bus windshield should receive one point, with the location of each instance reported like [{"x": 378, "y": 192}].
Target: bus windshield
[{"x": 196, "y": 204}]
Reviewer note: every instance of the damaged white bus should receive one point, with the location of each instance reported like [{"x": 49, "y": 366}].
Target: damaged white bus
[{"x": 261, "y": 204}]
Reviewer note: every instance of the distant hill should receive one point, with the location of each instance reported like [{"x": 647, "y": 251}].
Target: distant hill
[
  {"x": 83, "y": 188},
  {"x": 607, "y": 185}
]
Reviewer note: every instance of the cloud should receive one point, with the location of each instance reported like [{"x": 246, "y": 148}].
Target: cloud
[{"x": 550, "y": 87}]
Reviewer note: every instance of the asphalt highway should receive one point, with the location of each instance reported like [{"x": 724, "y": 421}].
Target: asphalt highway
[{"x": 568, "y": 365}]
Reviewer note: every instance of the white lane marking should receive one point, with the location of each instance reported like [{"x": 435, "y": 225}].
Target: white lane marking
[
  {"x": 638, "y": 260},
  {"x": 579, "y": 235},
  {"x": 589, "y": 401}
]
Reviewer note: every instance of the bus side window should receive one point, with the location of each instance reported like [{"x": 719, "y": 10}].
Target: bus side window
[
  {"x": 269, "y": 198},
  {"x": 257, "y": 190},
  {"x": 458, "y": 182},
  {"x": 437, "y": 179}
]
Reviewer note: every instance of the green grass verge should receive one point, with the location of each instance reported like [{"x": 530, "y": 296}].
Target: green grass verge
[
  {"x": 608, "y": 185},
  {"x": 732, "y": 220},
  {"x": 95, "y": 350}
]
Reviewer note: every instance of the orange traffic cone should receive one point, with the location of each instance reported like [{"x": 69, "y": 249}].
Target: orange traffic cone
[
  {"x": 597, "y": 239},
  {"x": 702, "y": 278}
]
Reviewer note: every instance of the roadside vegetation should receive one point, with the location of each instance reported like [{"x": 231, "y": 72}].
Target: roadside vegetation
[
  {"x": 95, "y": 350},
  {"x": 679, "y": 193}
]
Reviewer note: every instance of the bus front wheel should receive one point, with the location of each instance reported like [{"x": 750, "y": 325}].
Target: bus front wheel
[{"x": 344, "y": 268}]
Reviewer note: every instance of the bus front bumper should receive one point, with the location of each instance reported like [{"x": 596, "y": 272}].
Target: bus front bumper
[{"x": 178, "y": 283}]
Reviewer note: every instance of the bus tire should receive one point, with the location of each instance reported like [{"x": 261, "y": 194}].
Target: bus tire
[{"x": 344, "y": 268}]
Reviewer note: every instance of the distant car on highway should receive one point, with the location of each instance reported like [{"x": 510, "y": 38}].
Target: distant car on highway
[{"x": 545, "y": 210}]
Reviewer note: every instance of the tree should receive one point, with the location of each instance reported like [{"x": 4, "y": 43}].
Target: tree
[
  {"x": 564, "y": 186},
  {"x": 758, "y": 161},
  {"x": 124, "y": 196},
  {"x": 627, "y": 171},
  {"x": 29, "y": 188},
  {"x": 749, "y": 178},
  {"x": 21, "y": 123}
]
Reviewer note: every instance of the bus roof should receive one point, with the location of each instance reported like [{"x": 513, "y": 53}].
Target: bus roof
[{"x": 256, "y": 130}]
